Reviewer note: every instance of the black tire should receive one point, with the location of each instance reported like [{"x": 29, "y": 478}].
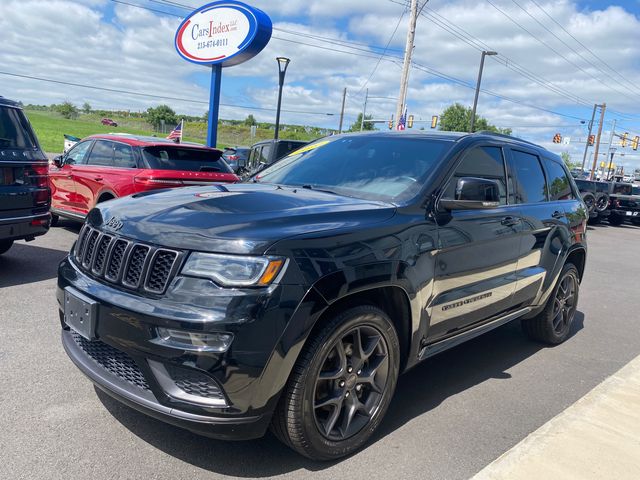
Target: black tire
[
  {"x": 5, "y": 245},
  {"x": 553, "y": 324},
  {"x": 602, "y": 202},
  {"x": 54, "y": 220},
  {"x": 590, "y": 201},
  {"x": 615, "y": 219},
  {"x": 361, "y": 390}
]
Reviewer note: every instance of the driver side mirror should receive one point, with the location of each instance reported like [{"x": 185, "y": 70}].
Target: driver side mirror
[
  {"x": 473, "y": 193},
  {"x": 58, "y": 161}
]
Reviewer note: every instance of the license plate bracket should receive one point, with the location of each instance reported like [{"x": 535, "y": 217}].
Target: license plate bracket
[{"x": 80, "y": 313}]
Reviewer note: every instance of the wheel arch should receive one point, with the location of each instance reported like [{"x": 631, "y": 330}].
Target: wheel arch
[{"x": 577, "y": 256}]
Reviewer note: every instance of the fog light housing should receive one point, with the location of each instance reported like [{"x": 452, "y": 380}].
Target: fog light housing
[
  {"x": 188, "y": 385},
  {"x": 216, "y": 342}
]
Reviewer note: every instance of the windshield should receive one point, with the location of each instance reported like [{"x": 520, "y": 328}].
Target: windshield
[
  {"x": 15, "y": 132},
  {"x": 371, "y": 167},
  {"x": 186, "y": 159}
]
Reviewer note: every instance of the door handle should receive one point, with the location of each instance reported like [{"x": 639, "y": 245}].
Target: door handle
[
  {"x": 510, "y": 221},
  {"x": 557, "y": 214},
  {"x": 98, "y": 179}
]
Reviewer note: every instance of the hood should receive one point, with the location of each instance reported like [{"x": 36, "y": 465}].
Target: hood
[{"x": 239, "y": 218}]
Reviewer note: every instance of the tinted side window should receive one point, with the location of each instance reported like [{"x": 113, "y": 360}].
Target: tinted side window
[
  {"x": 530, "y": 183},
  {"x": 15, "y": 131},
  {"x": 78, "y": 153},
  {"x": 123, "y": 156},
  {"x": 101, "y": 154},
  {"x": 481, "y": 162},
  {"x": 265, "y": 153},
  {"x": 559, "y": 184}
]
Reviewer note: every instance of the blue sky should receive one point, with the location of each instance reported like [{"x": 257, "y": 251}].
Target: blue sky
[{"x": 543, "y": 81}]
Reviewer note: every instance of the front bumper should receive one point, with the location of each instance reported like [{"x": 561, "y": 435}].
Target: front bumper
[
  {"x": 126, "y": 323},
  {"x": 628, "y": 214},
  {"x": 225, "y": 428}
]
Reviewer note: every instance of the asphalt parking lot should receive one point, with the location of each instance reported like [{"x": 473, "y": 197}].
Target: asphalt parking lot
[{"x": 451, "y": 416}]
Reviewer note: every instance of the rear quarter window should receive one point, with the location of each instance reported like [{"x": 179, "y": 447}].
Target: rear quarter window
[
  {"x": 558, "y": 181},
  {"x": 185, "y": 159},
  {"x": 15, "y": 131}
]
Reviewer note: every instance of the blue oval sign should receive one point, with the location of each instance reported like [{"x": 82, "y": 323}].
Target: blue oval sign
[{"x": 225, "y": 32}]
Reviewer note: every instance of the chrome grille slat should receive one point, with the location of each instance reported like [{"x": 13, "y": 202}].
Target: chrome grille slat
[
  {"x": 89, "y": 249},
  {"x": 136, "y": 264},
  {"x": 132, "y": 265}
]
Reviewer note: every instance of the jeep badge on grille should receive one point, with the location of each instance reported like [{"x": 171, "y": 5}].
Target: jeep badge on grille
[{"x": 114, "y": 223}]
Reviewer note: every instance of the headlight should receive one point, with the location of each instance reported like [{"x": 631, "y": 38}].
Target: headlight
[{"x": 234, "y": 270}]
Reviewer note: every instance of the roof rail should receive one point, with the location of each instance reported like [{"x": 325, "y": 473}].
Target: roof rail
[{"x": 504, "y": 135}]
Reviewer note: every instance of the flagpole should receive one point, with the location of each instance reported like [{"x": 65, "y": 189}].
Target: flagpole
[{"x": 181, "y": 129}]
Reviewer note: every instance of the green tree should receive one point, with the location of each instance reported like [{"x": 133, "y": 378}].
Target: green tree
[
  {"x": 156, "y": 116},
  {"x": 457, "y": 118},
  {"x": 566, "y": 158},
  {"x": 250, "y": 120},
  {"x": 67, "y": 110},
  {"x": 86, "y": 107},
  {"x": 355, "y": 127}
]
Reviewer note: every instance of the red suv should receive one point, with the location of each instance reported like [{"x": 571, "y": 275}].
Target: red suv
[
  {"x": 102, "y": 167},
  {"x": 109, "y": 122}
]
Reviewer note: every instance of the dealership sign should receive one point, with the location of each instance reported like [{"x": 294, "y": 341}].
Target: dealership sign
[{"x": 224, "y": 33}]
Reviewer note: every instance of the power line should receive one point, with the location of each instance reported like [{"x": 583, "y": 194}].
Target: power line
[
  {"x": 385, "y": 57},
  {"x": 549, "y": 46},
  {"x": 383, "y": 52},
  {"x": 149, "y": 95},
  {"x": 582, "y": 44}
]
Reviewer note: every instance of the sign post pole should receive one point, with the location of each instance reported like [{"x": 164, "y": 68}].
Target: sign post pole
[
  {"x": 214, "y": 105},
  {"x": 221, "y": 34}
]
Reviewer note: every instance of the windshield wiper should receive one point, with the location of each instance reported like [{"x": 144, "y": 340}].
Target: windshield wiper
[{"x": 308, "y": 186}]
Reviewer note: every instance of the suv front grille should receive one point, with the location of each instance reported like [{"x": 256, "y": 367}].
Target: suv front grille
[
  {"x": 112, "y": 360},
  {"x": 133, "y": 265}
]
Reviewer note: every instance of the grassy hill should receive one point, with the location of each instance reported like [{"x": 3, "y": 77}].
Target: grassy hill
[{"x": 51, "y": 126}]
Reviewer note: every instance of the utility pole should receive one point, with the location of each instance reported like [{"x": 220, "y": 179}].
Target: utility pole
[
  {"x": 364, "y": 109},
  {"x": 586, "y": 147},
  {"x": 610, "y": 151},
  {"x": 344, "y": 97},
  {"x": 475, "y": 98},
  {"x": 408, "y": 50},
  {"x": 595, "y": 154}
]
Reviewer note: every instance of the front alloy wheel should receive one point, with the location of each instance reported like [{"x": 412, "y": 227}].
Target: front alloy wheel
[
  {"x": 349, "y": 386},
  {"x": 341, "y": 385}
]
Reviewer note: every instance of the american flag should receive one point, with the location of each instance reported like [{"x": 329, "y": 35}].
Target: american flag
[
  {"x": 402, "y": 122},
  {"x": 176, "y": 133}
]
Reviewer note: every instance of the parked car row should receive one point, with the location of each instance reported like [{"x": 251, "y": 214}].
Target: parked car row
[{"x": 615, "y": 201}]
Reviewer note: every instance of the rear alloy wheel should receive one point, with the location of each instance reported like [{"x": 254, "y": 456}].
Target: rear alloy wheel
[
  {"x": 341, "y": 385},
  {"x": 553, "y": 324},
  {"x": 5, "y": 245}
]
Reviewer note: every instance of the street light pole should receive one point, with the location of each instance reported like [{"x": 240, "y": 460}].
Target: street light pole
[
  {"x": 283, "y": 63},
  {"x": 475, "y": 99}
]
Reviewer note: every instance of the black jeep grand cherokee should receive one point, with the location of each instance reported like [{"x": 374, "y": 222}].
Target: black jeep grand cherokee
[{"x": 294, "y": 301}]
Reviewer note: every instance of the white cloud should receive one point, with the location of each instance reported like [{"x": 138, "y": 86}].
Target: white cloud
[{"x": 80, "y": 42}]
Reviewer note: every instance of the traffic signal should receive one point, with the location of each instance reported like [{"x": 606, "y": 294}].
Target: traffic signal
[
  {"x": 434, "y": 121},
  {"x": 634, "y": 143},
  {"x": 557, "y": 138},
  {"x": 390, "y": 124},
  {"x": 592, "y": 140},
  {"x": 410, "y": 121},
  {"x": 623, "y": 142}
]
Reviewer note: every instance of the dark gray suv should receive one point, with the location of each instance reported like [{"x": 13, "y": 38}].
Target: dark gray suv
[{"x": 25, "y": 196}]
